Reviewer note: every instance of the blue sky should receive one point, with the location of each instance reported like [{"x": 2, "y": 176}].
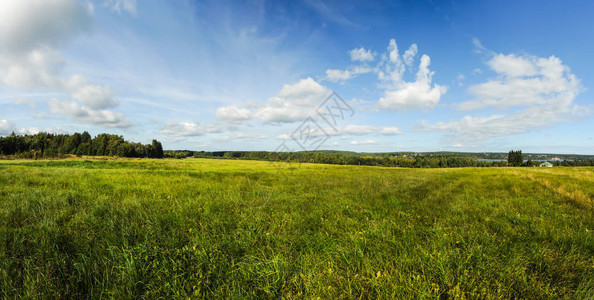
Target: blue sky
[{"x": 231, "y": 75}]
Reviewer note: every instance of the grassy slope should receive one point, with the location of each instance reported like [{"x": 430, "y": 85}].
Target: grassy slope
[{"x": 246, "y": 228}]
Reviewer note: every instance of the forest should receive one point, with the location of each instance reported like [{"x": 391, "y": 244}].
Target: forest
[{"x": 49, "y": 145}]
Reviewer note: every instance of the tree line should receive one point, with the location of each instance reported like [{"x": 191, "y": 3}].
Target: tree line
[
  {"x": 418, "y": 161},
  {"x": 45, "y": 144}
]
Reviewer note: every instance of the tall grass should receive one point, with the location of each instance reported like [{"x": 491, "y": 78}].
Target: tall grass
[{"x": 247, "y": 229}]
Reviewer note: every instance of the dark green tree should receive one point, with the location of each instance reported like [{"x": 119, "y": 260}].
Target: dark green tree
[
  {"x": 515, "y": 158},
  {"x": 157, "y": 149}
]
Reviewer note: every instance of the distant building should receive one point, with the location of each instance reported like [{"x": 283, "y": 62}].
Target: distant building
[{"x": 546, "y": 164}]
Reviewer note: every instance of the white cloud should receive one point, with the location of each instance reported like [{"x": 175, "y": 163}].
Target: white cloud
[
  {"x": 305, "y": 92},
  {"x": 360, "y": 54},
  {"x": 122, "y": 5},
  {"x": 96, "y": 97},
  {"x": 369, "y": 129},
  {"x": 30, "y": 24},
  {"x": 31, "y": 31},
  {"x": 181, "y": 130},
  {"x": 92, "y": 96},
  {"x": 367, "y": 142},
  {"x": 77, "y": 112},
  {"x": 283, "y": 137},
  {"x": 36, "y": 130},
  {"x": 543, "y": 87},
  {"x": 335, "y": 75},
  {"x": 359, "y": 129},
  {"x": 34, "y": 68},
  {"x": 391, "y": 131},
  {"x": 233, "y": 113},
  {"x": 513, "y": 66},
  {"x": 409, "y": 55},
  {"x": 294, "y": 102},
  {"x": 408, "y": 95},
  {"x": 338, "y": 75},
  {"x": 524, "y": 81},
  {"x": 398, "y": 94},
  {"x": 6, "y": 127},
  {"x": 395, "y": 70}
]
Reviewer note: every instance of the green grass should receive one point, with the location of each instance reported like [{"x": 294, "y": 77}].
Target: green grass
[{"x": 248, "y": 229}]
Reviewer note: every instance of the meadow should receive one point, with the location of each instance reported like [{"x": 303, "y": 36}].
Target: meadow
[{"x": 207, "y": 228}]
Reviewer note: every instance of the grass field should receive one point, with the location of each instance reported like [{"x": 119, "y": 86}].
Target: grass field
[{"x": 249, "y": 229}]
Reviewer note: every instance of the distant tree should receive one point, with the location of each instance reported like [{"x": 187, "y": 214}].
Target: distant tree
[
  {"x": 157, "y": 149},
  {"x": 515, "y": 158}
]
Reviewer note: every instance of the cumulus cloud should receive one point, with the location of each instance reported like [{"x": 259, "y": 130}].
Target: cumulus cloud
[
  {"x": 96, "y": 97},
  {"x": 360, "y": 54},
  {"x": 75, "y": 111},
  {"x": 294, "y": 102},
  {"x": 92, "y": 96},
  {"x": 30, "y": 69},
  {"x": 399, "y": 94},
  {"x": 29, "y": 24},
  {"x": 31, "y": 31},
  {"x": 523, "y": 81},
  {"x": 543, "y": 88},
  {"x": 305, "y": 92},
  {"x": 513, "y": 66},
  {"x": 403, "y": 95}
]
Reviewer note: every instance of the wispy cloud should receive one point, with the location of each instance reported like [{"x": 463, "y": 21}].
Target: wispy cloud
[{"x": 120, "y": 6}]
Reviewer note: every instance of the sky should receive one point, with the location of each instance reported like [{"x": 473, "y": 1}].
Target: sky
[{"x": 365, "y": 76}]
